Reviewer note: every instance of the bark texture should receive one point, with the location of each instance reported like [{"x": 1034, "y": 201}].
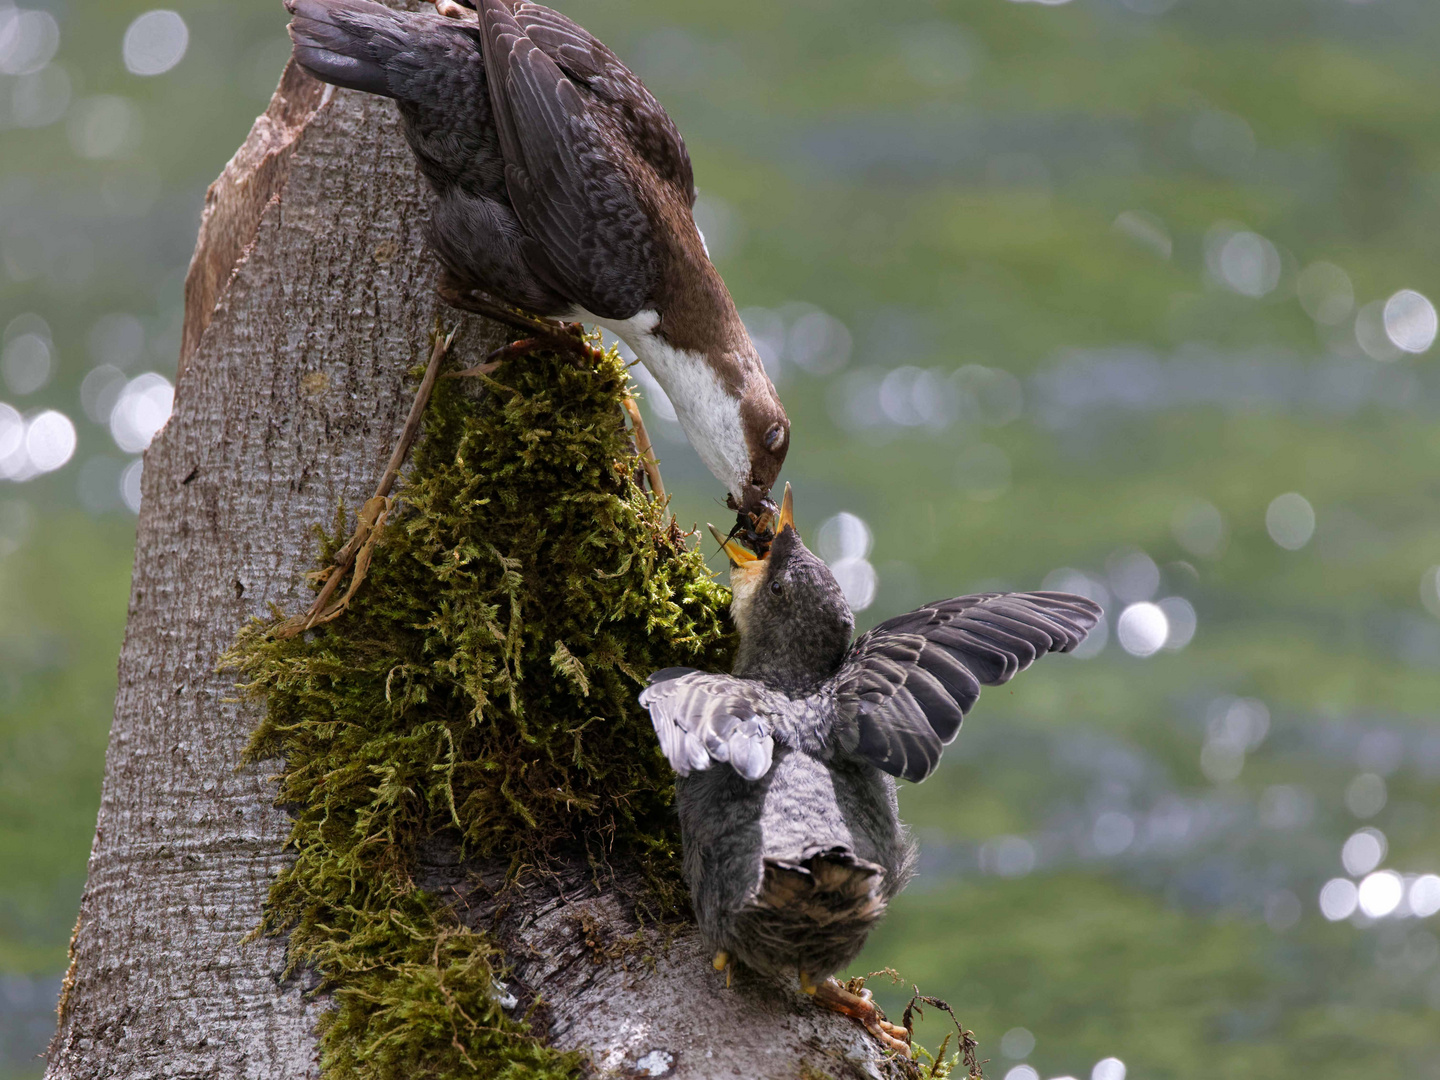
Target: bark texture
[{"x": 309, "y": 298}]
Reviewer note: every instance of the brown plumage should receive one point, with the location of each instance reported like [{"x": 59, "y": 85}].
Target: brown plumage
[{"x": 561, "y": 186}]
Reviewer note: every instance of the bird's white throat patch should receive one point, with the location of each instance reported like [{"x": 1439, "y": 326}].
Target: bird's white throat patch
[
  {"x": 709, "y": 414},
  {"x": 745, "y": 582}
]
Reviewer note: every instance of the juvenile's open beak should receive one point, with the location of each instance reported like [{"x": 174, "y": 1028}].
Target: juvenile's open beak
[
  {"x": 787, "y": 513},
  {"x": 734, "y": 550}
]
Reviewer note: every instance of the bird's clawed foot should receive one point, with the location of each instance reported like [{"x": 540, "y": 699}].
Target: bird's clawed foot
[
  {"x": 540, "y": 333},
  {"x": 722, "y": 962},
  {"x": 453, "y": 10},
  {"x": 831, "y": 995},
  {"x": 455, "y": 293}
]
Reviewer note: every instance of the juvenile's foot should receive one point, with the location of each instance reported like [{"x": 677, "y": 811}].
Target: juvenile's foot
[
  {"x": 722, "y": 962},
  {"x": 831, "y": 995},
  {"x": 452, "y": 10}
]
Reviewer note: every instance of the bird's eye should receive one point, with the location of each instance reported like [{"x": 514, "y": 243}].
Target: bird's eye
[{"x": 777, "y": 588}]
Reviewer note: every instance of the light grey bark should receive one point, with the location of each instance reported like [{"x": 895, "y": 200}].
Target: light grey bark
[{"x": 309, "y": 298}]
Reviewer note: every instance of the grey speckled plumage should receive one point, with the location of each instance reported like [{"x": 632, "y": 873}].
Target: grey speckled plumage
[
  {"x": 793, "y": 845},
  {"x": 561, "y": 186}
]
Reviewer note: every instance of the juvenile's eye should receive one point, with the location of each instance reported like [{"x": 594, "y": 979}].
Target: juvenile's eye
[{"x": 777, "y": 588}]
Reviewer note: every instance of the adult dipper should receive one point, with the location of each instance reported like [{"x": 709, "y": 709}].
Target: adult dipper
[
  {"x": 562, "y": 187},
  {"x": 793, "y": 845}
]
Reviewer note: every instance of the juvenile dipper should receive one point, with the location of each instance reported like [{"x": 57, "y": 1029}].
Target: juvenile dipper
[
  {"x": 562, "y": 187},
  {"x": 793, "y": 845}
]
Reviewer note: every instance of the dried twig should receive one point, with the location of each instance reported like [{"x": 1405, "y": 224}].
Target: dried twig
[
  {"x": 358, "y": 550},
  {"x": 968, "y": 1045},
  {"x": 645, "y": 448}
]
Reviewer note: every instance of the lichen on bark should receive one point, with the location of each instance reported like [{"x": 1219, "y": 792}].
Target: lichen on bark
[{"x": 480, "y": 691}]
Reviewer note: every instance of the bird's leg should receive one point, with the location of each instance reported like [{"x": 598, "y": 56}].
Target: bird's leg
[
  {"x": 831, "y": 995},
  {"x": 477, "y": 303},
  {"x": 358, "y": 549},
  {"x": 722, "y": 962},
  {"x": 541, "y": 333}
]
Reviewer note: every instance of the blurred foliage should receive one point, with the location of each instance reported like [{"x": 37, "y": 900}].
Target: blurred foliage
[{"x": 1045, "y": 190}]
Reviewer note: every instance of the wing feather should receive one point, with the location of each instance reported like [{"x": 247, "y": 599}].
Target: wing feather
[
  {"x": 589, "y": 237},
  {"x": 702, "y": 718},
  {"x": 906, "y": 686}
]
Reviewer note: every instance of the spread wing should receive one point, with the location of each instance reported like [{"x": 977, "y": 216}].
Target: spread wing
[
  {"x": 589, "y": 238},
  {"x": 702, "y": 718},
  {"x": 907, "y": 684}
]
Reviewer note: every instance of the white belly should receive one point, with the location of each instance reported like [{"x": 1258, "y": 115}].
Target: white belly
[{"x": 709, "y": 414}]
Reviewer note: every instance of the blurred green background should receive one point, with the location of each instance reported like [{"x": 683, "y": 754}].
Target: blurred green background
[{"x": 1124, "y": 296}]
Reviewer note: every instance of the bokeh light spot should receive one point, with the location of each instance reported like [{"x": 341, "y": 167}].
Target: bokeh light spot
[
  {"x": 1425, "y": 896},
  {"x": 130, "y": 484},
  {"x": 12, "y": 437},
  {"x": 106, "y": 126},
  {"x": 1008, "y": 857},
  {"x": 1142, "y": 629},
  {"x": 1380, "y": 893},
  {"x": 155, "y": 42},
  {"x": 1133, "y": 575},
  {"x": 1410, "y": 321},
  {"x": 1243, "y": 262},
  {"x": 1363, "y": 852},
  {"x": 1290, "y": 521},
  {"x": 26, "y": 363},
  {"x": 1017, "y": 1043},
  {"x": 1110, "y": 1068},
  {"x": 1112, "y": 833},
  {"x": 141, "y": 410},
  {"x": 858, "y": 580},
  {"x": 1372, "y": 336},
  {"x": 845, "y": 536},
  {"x": 1366, "y": 795},
  {"x": 28, "y": 40},
  {"x": 1181, "y": 618},
  {"x": 49, "y": 441},
  {"x": 1338, "y": 899}
]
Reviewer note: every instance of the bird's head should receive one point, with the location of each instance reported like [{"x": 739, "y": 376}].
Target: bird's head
[
  {"x": 794, "y": 623},
  {"x": 767, "y": 441}
]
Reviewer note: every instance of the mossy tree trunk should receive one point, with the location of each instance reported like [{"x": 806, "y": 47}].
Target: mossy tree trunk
[{"x": 309, "y": 299}]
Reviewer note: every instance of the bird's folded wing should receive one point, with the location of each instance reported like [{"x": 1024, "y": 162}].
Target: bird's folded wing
[
  {"x": 907, "y": 684},
  {"x": 588, "y": 61},
  {"x": 589, "y": 237},
  {"x": 702, "y": 718}
]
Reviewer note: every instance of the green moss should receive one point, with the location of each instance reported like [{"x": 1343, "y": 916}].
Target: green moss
[{"x": 481, "y": 688}]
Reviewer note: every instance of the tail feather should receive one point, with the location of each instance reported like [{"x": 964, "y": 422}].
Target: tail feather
[
  {"x": 348, "y": 42},
  {"x": 826, "y": 886}
]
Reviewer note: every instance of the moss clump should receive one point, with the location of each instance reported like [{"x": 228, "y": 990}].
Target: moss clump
[{"x": 481, "y": 688}]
